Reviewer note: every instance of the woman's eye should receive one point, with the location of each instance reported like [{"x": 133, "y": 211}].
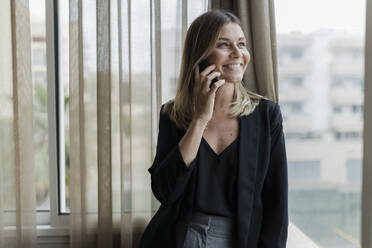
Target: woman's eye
[
  {"x": 225, "y": 44},
  {"x": 222, "y": 44}
]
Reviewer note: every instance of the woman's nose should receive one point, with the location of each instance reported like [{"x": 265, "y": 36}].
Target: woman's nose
[{"x": 236, "y": 51}]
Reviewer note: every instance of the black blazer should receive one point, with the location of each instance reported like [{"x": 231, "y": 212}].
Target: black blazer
[{"x": 262, "y": 186}]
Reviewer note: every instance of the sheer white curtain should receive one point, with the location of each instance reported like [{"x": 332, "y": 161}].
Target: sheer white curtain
[
  {"x": 124, "y": 62},
  {"x": 17, "y": 190}
]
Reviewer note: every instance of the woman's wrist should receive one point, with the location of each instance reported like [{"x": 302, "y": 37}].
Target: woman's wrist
[{"x": 200, "y": 122}]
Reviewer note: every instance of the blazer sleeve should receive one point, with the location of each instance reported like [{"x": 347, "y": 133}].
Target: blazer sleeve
[
  {"x": 274, "y": 226},
  {"x": 169, "y": 173}
]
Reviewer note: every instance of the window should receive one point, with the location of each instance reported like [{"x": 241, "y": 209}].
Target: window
[
  {"x": 62, "y": 93},
  {"x": 324, "y": 182},
  {"x": 348, "y": 135},
  {"x": 39, "y": 52},
  {"x": 357, "y": 109},
  {"x": 292, "y": 107},
  {"x": 296, "y": 81},
  {"x": 337, "y": 109},
  {"x": 296, "y": 54},
  {"x": 354, "y": 171},
  {"x": 304, "y": 171},
  {"x": 40, "y": 100}
]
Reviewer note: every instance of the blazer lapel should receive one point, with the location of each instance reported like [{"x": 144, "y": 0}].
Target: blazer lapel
[{"x": 247, "y": 168}]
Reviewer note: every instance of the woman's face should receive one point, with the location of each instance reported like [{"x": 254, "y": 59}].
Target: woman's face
[{"x": 230, "y": 55}]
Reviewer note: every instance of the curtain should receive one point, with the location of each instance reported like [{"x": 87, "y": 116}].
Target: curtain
[
  {"x": 258, "y": 22},
  {"x": 17, "y": 186},
  {"x": 124, "y": 59}
]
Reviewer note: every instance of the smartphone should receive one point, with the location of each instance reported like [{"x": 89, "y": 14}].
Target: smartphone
[{"x": 204, "y": 64}]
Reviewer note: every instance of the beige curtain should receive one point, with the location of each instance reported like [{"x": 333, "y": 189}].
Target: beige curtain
[
  {"x": 17, "y": 186},
  {"x": 258, "y": 21},
  {"x": 101, "y": 191},
  {"x": 123, "y": 62}
]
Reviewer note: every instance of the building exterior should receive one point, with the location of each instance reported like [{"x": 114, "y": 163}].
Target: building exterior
[{"x": 321, "y": 98}]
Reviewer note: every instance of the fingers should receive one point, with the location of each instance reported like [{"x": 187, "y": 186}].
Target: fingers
[
  {"x": 196, "y": 73},
  {"x": 216, "y": 85},
  {"x": 209, "y": 79},
  {"x": 207, "y": 70},
  {"x": 213, "y": 75},
  {"x": 204, "y": 79}
]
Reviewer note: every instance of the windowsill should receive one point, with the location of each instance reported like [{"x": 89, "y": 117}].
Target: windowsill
[
  {"x": 48, "y": 236},
  {"x": 46, "y": 230}
]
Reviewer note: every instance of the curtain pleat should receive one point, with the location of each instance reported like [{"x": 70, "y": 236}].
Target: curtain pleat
[
  {"x": 23, "y": 125},
  {"x": 115, "y": 121},
  {"x": 124, "y": 47},
  {"x": 78, "y": 222},
  {"x": 104, "y": 125},
  {"x": 184, "y": 10},
  {"x": 258, "y": 22},
  {"x": 6, "y": 121},
  {"x": 156, "y": 93}
]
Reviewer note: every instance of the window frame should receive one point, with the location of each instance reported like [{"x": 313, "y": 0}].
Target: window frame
[
  {"x": 366, "y": 225},
  {"x": 57, "y": 219}
]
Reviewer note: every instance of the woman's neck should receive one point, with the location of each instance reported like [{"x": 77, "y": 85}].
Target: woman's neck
[{"x": 224, "y": 97}]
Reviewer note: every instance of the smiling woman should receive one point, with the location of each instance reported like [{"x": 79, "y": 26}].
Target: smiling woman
[
  {"x": 223, "y": 49},
  {"x": 231, "y": 189}
]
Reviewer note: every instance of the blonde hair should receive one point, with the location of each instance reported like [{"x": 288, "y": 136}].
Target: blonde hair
[{"x": 200, "y": 40}]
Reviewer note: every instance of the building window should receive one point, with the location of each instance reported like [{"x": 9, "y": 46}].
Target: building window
[
  {"x": 39, "y": 53},
  {"x": 304, "y": 171},
  {"x": 354, "y": 171}
]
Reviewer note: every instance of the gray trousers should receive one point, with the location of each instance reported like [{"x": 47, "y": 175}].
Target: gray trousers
[{"x": 207, "y": 231}]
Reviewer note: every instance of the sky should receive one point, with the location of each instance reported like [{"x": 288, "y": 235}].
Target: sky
[{"x": 307, "y": 16}]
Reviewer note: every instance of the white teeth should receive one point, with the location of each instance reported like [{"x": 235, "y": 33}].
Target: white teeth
[{"x": 234, "y": 66}]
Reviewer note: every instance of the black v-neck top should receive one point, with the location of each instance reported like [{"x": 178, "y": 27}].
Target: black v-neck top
[{"x": 216, "y": 180}]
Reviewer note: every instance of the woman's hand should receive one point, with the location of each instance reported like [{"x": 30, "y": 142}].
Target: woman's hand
[{"x": 204, "y": 96}]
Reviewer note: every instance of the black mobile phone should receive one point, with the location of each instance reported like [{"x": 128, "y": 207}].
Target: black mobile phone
[{"x": 204, "y": 64}]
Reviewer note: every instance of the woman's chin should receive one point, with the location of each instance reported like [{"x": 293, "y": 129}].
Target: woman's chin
[{"x": 233, "y": 80}]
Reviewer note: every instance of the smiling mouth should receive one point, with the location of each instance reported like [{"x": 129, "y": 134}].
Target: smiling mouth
[{"x": 234, "y": 66}]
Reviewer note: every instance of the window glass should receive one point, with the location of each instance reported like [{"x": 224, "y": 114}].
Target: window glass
[
  {"x": 39, "y": 82},
  {"x": 304, "y": 171},
  {"x": 7, "y": 182},
  {"x": 63, "y": 105},
  {"x": 320, "y": 68}
]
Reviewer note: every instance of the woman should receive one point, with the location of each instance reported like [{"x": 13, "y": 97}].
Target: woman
[{"x": 220, "y": 170}]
